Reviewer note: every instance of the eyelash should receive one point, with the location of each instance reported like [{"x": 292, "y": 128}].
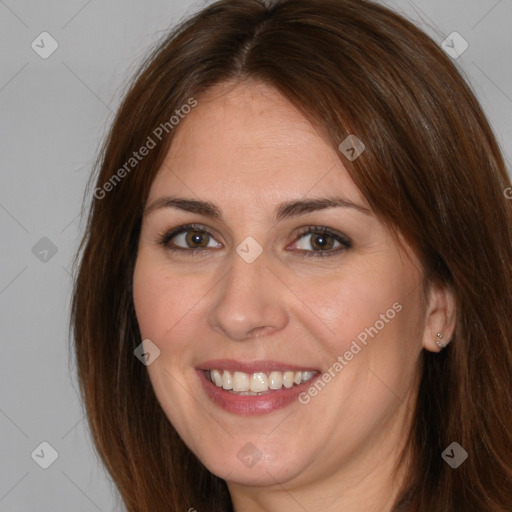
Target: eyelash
[{"x": 166, "y": 237}]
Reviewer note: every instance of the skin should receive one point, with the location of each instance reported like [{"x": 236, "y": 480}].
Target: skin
[{"x": 246, "y": 149}]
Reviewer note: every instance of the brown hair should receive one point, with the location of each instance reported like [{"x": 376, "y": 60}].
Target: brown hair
[{"x": 432, "y": 170}]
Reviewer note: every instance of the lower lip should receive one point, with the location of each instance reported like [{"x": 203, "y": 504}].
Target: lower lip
[{"x": 252, "y": 405}]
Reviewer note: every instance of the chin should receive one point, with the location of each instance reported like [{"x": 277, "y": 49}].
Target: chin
[{"x": 244, "y": 463}]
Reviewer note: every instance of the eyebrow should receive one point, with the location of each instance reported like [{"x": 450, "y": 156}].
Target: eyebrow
[{"x": 283, "y": 211}]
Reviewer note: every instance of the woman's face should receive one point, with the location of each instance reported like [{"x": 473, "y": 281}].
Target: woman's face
[{"x": 274, "y": 284}]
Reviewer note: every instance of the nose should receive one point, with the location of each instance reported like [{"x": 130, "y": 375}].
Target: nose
[{"x": 249, "y": 301}]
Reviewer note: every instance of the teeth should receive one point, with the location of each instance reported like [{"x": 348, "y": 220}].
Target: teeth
[
  {"x": 227, "y": 381},
  {"x": 288, "y": 379},
  {"x": 275, "y": 380},
  {"x": 259, "y": 382},
  {"x": 240, "y": 381},
  {"x": 307, "y": 376},
  {"x": 216, "y": 377}
]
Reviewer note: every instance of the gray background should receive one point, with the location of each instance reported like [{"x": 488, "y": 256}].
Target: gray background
[{"x": 54, "y": 113}]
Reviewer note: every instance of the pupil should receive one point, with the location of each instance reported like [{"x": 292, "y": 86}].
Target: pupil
[
  {"x": 320, "y": 241},
  {"x": 195, "y": 238}
]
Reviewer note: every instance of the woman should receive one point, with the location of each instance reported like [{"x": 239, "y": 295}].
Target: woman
[{"x": 294, "y": 291}]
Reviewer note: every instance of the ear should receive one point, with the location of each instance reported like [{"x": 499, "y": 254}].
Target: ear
[{"x": 440, "y": 318}]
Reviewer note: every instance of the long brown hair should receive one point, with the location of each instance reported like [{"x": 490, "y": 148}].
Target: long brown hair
[{"x": 432, "y": 170}]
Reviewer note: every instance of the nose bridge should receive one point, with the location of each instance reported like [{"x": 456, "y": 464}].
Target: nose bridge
[{"x": 247, "y": 300}]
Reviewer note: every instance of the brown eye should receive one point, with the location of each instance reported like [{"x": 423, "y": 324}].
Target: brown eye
[
  {"x": 188, "y": 238},
  {"x": 322, "y": 242},
  {"x": 196, "y": 238}
]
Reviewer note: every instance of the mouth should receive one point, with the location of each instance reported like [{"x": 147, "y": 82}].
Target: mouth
[{"x": 254, "y": 388}]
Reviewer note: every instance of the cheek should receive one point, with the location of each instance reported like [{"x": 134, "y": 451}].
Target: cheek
[
  {"x": 161, "y": 305},
  {"x": 157, "y": 298},
  {"x": 367, "y": 324},
  {"x": 345, "y": 306},
  {"x": 167, "y": 305}
]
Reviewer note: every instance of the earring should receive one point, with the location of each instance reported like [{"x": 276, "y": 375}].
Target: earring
[{"x": 440, "y": 344}]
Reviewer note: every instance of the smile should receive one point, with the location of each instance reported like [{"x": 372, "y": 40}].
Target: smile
[{"x": 253, "y": 388}]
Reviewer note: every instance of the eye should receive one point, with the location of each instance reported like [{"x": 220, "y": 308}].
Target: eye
[
  {"x": 188, "y": 238},
  {"x": 194, "y": 238},
  {"x": 323, "y": 241}
]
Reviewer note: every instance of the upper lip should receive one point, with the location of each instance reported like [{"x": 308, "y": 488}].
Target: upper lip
[{"x": 263, "y": 366}]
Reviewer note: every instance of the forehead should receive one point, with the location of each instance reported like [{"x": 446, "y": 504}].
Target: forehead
[{"x": 248, "y": 140}]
